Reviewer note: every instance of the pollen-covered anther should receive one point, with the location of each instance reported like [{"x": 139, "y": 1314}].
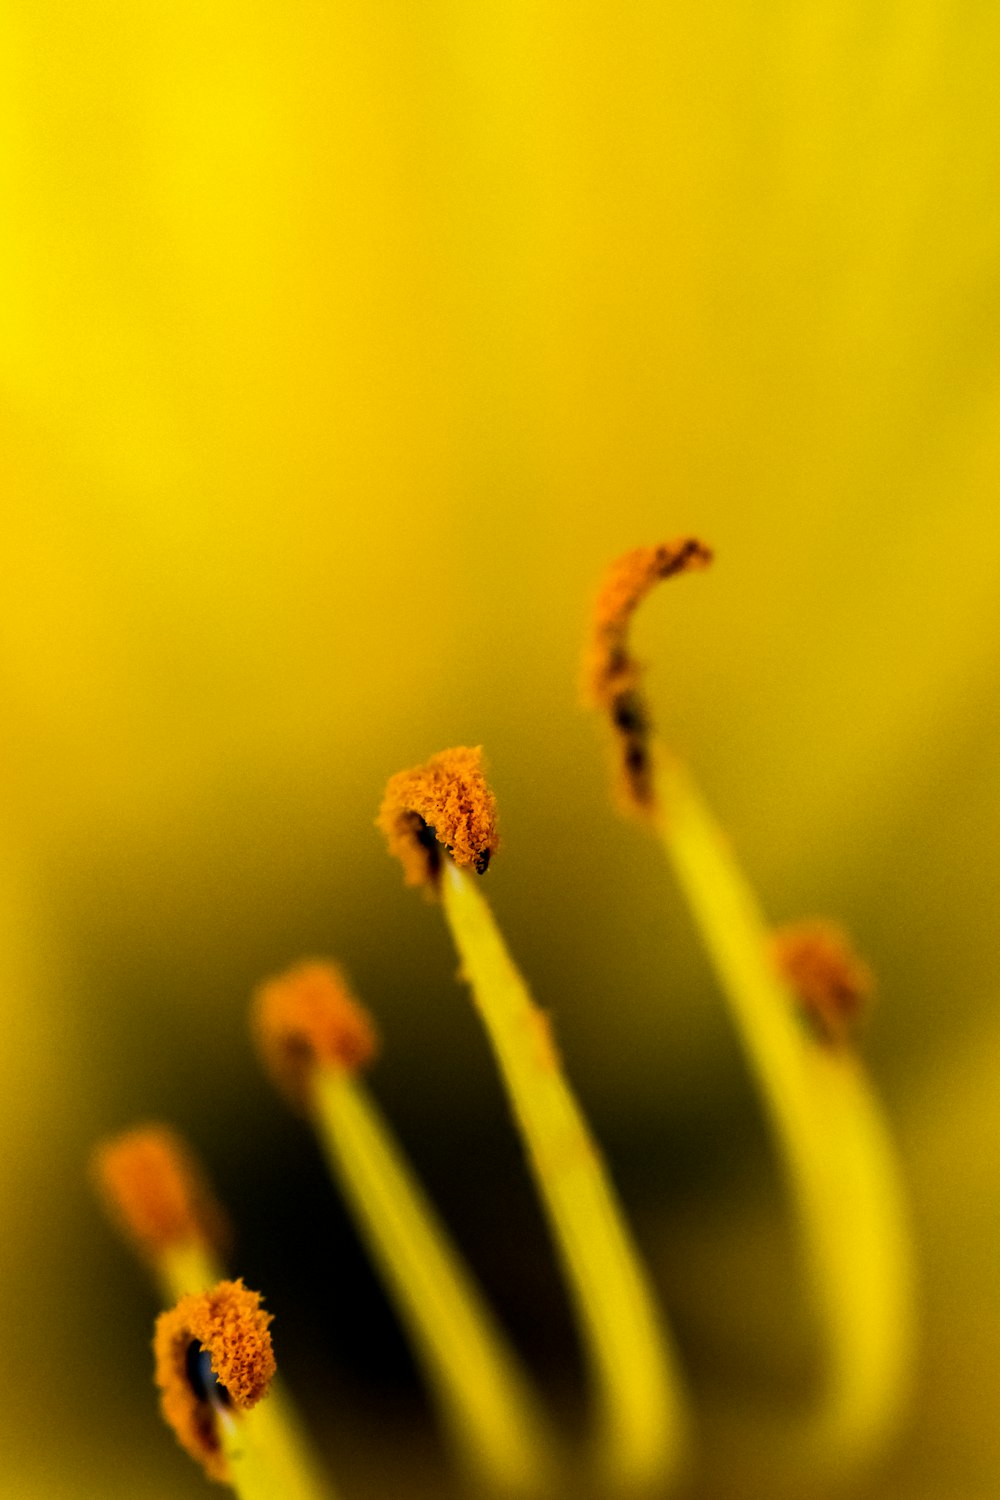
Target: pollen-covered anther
[
  {"x": 156, "y": 1193},
  {"x": 308, "y": 1018},
  {"x": 831, "y": 982},
  {"x": 445, "y": 804},
  {"x": 612, "y": 676},
  {"x": 231, "y": 1326}
]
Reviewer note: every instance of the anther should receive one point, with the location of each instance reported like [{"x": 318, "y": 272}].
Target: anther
[
  {"x": 831, "y": 982},
  {"x": 227, "y": 1324},
  {"x": 445, "y": 804},
  {"x": 155, "y": 1191},
  {"x": 306, "y": 1018},
  {"x": 612, "y": 676}
]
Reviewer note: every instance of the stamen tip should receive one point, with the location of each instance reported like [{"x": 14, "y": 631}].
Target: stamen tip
[
  {"x": 445, "y": 804},
  {"x": 832, "y": 983},
  {"x": 612, "y": 677},
  {"x": 155, "y": 1192},
  {"x": 626, "y": 583},
  {"x": 228, "y": 1324},
  {"x": 308, "y": 1017}
]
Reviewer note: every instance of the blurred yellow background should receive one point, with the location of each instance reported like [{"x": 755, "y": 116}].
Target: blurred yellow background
[{"x": 341, "y": 346}]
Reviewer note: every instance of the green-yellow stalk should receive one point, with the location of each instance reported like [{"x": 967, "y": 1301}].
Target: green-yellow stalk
[
  {"x": 255, "y": 1468},
  {"x": 490, "y": 1410},
  {"x": 840, "y": 1165},
  {"x": 641, "y": 1399}
]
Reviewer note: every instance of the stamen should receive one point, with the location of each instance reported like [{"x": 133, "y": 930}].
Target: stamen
[
  {"x": 299, "y": 1021},
  {"x": 613, "y": 677},
  {"x": 641, "y": 1424},
  {"x": 826, "y": 1121},
  {"x": 447, "y": 804},
  {"x": 308, "y": 1018},
  {"x": 832, "y": 983},
  {"x": 157, "y": 1194},
  {"x": 158, "y": 1197},
  {"x": 232, "y": 1328}
]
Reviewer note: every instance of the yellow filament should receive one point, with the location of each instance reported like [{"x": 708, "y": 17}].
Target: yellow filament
[
  {"x": 839, "y": 1160},
  {"x": 485, "y": 1398},
  {"x": 181, "y": 1269},
  {"x": 254, "y": 1470},
  {"x": 279, "y": 1445},
  {"x": 639, "y": 1390}
]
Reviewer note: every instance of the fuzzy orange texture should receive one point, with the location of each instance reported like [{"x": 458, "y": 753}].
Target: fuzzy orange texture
[
  {"x": 229, "y": 1322},
  {"x": 308, "y": 1017},
  {"x": 156, "y": 1193},
  {"x": 828, "y": 978},
  {"x": 612, "y": 677},
  {"x": 446, "y": 802},
  {"x": 609, "y": 667}
]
